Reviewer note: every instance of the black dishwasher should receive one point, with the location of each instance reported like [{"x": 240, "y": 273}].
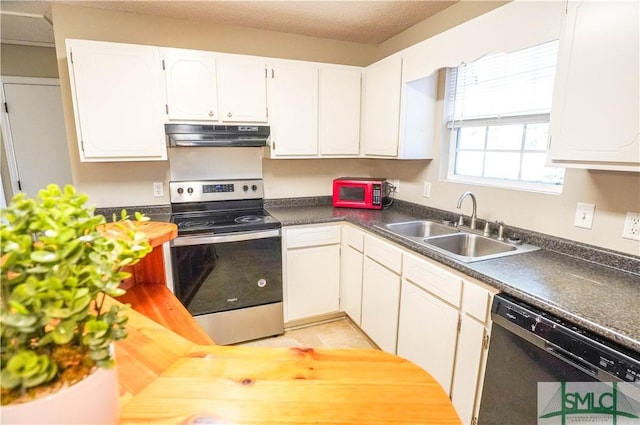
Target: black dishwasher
[{"x": 528, "y": 347}]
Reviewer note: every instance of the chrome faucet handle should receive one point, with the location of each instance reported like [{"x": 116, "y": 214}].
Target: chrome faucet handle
[
  {"x": 460, "y": 221},
  {"x": 500, "y": 230},
  {"x": 487, "y": 229}
]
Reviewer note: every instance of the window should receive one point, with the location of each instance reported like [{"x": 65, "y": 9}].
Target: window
[{"x": 498, "y": 115}]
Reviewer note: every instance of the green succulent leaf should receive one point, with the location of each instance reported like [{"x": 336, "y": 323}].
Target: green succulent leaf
[
  {"x": 9, "y": 380},
  {"x": 63, "y": 333},
  {"x": 19, "y": 320},
  {"x": 45, "y": 256}
]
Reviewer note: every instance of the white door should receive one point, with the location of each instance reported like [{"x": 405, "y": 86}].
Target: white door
[
  {"x": 242, "y": 89},
  {"x": 351, "y": 283},
  {"x": 382, "y": 84},
  {"x": 427, "y": 333},
  {"x": 380, "y": 304},
  {"x": 293, "y": 92},
  {"x": 119, "y": 101},
  {"x": 34, "y": 131},
  {"x": 339, "y": 111},
  {"x": 191, "y": 85},
  {"x": 313, "y": 281}
]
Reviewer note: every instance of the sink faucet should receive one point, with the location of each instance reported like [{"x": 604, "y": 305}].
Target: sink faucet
[{"x": 472, "y": 225}]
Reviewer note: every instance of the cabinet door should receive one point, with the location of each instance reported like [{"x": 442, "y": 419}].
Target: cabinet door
[
  {"x": 191, "y": 85},
  {"x": 313, "y": 281},
  {"x": 293, "y": 94},
  {"x": 427, "y": 333},
  {"x": 380, "y": 303},
  {"x": 469, "y": 363},
  {"x": 595, "y": 114},
  {"x": 382, "y": 84},
  {"x": 242, "y": 89},
  {"x": 339, "y": 111},
  {"x": 118, "y": 98},
  {"x": 351, "y": 283}
]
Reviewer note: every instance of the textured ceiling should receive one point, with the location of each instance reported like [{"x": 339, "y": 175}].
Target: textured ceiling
[{"x": 360, "y": 21}]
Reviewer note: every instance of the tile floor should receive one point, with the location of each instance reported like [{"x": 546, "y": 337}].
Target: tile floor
[{"x": 338, "y": 333}]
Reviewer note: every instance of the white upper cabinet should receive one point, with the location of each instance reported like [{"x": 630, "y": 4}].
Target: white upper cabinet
[
  {"x": 293, "y": 106},
  {"x": 595, "y": 114},
  {"x": 191, "y": 84},
  {"x": 399, "y": 115},
  {"x": 242, "y": 88},
  {"x": 215, "y": 87},
  {"x": 118, "y": 101},
  {"x": 339, "y": 110},
  {"x": 314, "y": 109},
  {"x": 381, "y": 115}
]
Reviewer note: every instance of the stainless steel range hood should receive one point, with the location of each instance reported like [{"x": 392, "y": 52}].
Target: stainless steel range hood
[{"x": 196, "y": 135}]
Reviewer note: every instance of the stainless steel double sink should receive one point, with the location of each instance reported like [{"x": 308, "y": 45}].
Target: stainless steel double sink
[{"x": 462, "y": 245}]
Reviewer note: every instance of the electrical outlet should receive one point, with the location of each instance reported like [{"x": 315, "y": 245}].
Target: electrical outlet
[
  {"x": 584, "y": 215},
  {"x": 632, "y": 226},
  {"x": 158, "y": 189},
  {"x": 396, "y": 183},
  {"x": 426, "y": 190}
]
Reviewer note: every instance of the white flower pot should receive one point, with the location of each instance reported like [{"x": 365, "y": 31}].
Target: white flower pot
[{"x": 94, "y": 400}]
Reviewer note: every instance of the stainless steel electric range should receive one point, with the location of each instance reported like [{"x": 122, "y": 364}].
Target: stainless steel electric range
[{"x": 227, "y": 258}]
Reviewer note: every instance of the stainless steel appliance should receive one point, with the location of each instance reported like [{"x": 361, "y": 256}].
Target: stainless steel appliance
[
  {"x": 207, "y": 135},
  {"x": 227, "y": 258},
  {"x": 529, "y": 346}
]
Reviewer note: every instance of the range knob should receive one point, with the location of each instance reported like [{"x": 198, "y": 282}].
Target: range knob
[
  {"x": 254, "y": 187},
  {"x": 180, "y": 191},
  {"x": 189, "y": 190},
  {"x": 245, "y": 187}
]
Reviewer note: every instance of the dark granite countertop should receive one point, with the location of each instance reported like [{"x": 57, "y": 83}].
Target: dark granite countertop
[{"x": 600, "y": 298}]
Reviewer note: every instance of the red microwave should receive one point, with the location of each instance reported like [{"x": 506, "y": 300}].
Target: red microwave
[{"x": 358, "y": 192}]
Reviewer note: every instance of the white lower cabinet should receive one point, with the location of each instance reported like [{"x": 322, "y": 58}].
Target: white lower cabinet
[
  {"x": 427, "y": 330},
  {"x": 471, "y": 354},
  {"x": 407, "y": 304},
  {"x": 381, "y": 292},
  {"x": 312, "y": 271},
  {"x": 351, "y": 264}
]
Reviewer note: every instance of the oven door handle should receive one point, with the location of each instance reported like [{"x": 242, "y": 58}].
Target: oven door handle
[{"x": 229, "y": 237}]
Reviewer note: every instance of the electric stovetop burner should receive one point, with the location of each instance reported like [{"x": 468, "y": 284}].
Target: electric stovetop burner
[
  {"x": 249, "y": 219},
  {"x": 216, "y": 222}
]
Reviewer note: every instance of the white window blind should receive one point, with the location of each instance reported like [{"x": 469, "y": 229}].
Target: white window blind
[{"x": 504, "y": 84}]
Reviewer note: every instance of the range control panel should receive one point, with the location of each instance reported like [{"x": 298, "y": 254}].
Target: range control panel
[{"x": 215, "y": 190}]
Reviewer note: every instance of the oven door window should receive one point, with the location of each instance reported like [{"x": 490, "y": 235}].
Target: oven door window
[{"x": 212, "y": 278}]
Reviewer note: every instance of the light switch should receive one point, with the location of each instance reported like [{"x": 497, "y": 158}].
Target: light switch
[{"x": 584, "y": 215}]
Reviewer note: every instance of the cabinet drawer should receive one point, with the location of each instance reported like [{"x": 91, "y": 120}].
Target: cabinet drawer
[
  {"x": 354, "y": 238},
  {"x": 384, "y": 253},
  {"x": 312, "y": 236},
  {"x": 434, "y": 279},
  {"x": 476, "y": 301}
]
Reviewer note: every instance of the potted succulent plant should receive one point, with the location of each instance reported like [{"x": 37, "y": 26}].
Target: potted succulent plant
[{"x": 57, "y": 265}]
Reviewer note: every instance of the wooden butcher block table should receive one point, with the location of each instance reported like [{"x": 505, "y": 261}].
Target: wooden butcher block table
[
  {"x": 166, "y": 379},
  {"x": 178, "y": 376}
]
